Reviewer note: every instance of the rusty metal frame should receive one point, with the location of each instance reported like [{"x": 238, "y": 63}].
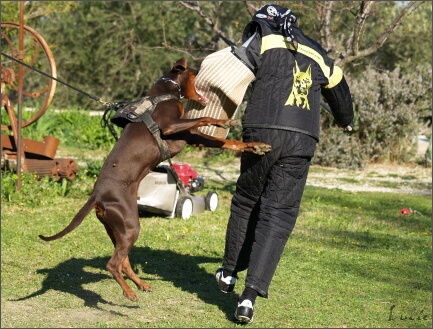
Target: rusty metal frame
[
  {"x": 15, "y": 147},
  {"x": 20, "y": 152}
]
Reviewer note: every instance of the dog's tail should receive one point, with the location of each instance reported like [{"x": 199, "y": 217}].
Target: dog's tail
[{"x": 77, "y": 220}]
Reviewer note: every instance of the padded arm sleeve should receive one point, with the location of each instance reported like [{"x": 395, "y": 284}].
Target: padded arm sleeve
[
  {"x": 249, "y": 52},
  {"x": 340, "y": 101}
]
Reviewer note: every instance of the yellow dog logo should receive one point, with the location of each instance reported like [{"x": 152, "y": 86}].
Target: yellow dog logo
[{"x": 301, "y": 84}]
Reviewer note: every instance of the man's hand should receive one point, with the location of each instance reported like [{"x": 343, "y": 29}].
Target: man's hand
[{"x": 348, "y": 128}]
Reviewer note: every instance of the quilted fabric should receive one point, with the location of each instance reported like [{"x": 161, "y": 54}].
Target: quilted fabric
[
  {"x": 224, "y": 79},
  {"x": 266, "y": 204}
]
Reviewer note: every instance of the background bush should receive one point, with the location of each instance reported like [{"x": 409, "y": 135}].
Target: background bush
[
  {"x": 74, "y": 128},
  {"x": 389, "y": 110}
]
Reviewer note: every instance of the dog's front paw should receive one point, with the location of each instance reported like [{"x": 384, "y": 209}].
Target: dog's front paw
[
  {"x": 261, "y": 149},
  {"x": 231, "y": 123}
]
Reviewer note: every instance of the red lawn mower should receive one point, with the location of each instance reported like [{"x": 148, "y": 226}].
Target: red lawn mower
[{"x": 168, "y": 191}]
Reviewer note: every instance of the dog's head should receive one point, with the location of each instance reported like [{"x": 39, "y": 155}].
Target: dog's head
[{"x": 185, "y": 77}]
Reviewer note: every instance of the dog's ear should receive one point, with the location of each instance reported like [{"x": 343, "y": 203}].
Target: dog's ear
[{"x": 180, "y": 65}]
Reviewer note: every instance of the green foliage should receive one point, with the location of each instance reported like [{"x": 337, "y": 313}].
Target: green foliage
[
  {"x": 116, "y": 49},
  {"x": 34, "y": 10},
  {"x": 389, "y": 111},
  {"x": 338, "y": 149},
  {"x": 73, "y": 128},
  {"x": 93, "y": 167},
  {"x": 411, "y": 43},
  {"x": 37, "y": 191}
]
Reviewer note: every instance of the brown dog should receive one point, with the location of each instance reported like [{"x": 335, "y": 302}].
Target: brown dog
[{"x": 135, "y": 154}]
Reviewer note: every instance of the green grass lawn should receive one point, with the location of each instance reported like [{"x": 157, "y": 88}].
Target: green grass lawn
[{"x": 352, "y": 261}]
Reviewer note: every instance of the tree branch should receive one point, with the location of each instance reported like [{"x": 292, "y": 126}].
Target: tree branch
[
  {"x": 195, "y": 7},
  {"x": 356, "y": 53},
  {"x": 325, "y": 12},
  {"x": 363, "y": 13}
]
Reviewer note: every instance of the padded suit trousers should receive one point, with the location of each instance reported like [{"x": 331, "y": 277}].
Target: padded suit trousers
[{"x": 266, "y": 203}]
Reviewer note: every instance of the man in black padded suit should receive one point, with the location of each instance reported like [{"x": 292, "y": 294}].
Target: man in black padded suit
[{"x": 292, "y": 71}]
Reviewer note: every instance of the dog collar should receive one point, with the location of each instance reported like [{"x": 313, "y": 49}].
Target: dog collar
[{"x": 175, "y": 83}]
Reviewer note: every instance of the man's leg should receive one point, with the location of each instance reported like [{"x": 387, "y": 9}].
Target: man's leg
[
  {"x": 243, "y": 212},
  {"x": 279, "y": 210}
]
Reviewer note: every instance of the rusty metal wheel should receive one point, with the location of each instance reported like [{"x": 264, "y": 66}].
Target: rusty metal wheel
[{"x": 38, "y": 90}]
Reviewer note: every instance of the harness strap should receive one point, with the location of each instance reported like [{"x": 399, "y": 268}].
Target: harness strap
[
  {"x": 154, "y": 129},
  {"x": 149, "y": 103},
  {"x": 144, "y": 111}
]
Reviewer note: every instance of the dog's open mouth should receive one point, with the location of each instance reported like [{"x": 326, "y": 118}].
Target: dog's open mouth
[{"x": 202, "y": 99}]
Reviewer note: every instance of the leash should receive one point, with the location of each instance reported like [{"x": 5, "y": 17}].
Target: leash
[
  {"x": 105, "y": 120},
  {"x": 110, "y": 106},
  {"x": 99, "y": 100}
]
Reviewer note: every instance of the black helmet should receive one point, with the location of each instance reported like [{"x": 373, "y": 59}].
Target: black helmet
[{"x": 278, "y": 18}]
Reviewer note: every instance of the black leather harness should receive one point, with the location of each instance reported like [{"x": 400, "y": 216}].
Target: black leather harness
[{"x": 142, "y": 110}]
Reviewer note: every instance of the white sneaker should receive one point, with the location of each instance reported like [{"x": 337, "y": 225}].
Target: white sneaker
[{"x": 226, "y": 284}]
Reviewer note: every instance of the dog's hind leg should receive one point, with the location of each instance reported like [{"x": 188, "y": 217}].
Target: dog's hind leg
[
  {"x": 127, "y": 269},
  {"x": 123, "y": 232}
]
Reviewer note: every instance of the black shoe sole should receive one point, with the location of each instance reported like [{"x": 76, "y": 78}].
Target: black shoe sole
[
  {"x": 244, "y": 314},
  {"x": 226, "y": 288}
]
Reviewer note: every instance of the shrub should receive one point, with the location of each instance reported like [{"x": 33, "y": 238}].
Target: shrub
[
  {"x": 40, "y": 191},
  {"x": 390, "y": 108},
  {"x": 74, "y": 129}
]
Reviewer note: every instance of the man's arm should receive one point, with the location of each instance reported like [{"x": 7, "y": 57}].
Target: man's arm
[
  {"x": 340, "y": 101},
  {"x": 249, "y": 52}
]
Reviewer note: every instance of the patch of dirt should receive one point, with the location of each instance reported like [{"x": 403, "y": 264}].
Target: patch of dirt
[
  {"x": 412, "y": 179},
  {"x": 373, "y": 178}
]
